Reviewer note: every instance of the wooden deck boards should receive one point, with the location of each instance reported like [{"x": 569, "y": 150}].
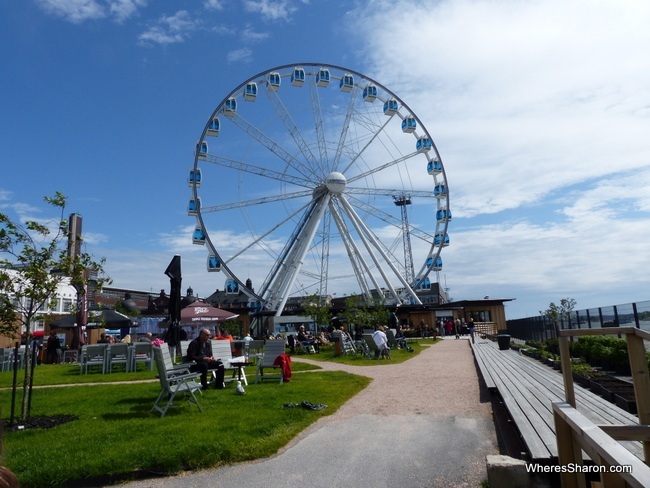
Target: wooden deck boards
[{"x": 528, "y": 388}]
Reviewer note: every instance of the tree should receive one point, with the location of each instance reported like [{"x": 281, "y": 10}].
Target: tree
[
  {"x": 34, "y": 260},
  {"x": 363, "y": 315},
  {"x": 316, "y": 306},
  {"x": 557, "y": 315}
]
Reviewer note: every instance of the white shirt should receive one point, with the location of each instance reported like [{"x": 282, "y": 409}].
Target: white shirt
[{"x": 380, "y": 339}]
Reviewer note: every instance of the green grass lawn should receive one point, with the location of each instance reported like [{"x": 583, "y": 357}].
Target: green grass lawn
[
  {"x": 397, "y": 356},
  {"x": 117, "y": 437}
]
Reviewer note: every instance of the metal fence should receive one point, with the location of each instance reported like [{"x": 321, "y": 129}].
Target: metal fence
[{"x": 540, "y": 328}]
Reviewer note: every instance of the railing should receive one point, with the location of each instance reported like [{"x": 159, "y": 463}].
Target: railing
[
  {"x": 575, "y": 432},
  {"x": 540, "y": 328}
]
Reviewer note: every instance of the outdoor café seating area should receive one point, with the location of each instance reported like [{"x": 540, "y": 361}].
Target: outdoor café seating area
[{"x": 109, "y": 358}]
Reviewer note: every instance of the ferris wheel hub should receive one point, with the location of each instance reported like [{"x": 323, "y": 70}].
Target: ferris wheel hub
[{"x": 335, "y": 182}]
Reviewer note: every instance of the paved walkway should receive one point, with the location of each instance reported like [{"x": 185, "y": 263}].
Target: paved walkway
[{"x": 422, "y": 423}]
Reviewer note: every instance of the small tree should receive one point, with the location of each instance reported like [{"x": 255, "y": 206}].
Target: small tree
[
  {"x": 365, "y": 315},
  {"x": 33, "y": 262},
  {"x": 316, "y": 306},
  {"x": 559, "y": 314}
]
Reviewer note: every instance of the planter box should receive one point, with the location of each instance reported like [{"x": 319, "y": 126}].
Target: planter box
[
  {"x": 581, "y": 380},
  {"x": 626, "y": 402}
]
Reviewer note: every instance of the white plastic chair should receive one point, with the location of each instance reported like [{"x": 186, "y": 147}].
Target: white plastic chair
[
  {"x": 272, "y": 349},
  {"x": 171, "y": 385},
  {"x": 93, "y": 355},
  {"x": 118, "y": 354},
  {"x": 222, "y": 350},
  {"x": 142, "y": 352}
]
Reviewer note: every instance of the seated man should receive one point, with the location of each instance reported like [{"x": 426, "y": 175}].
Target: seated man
[
  {"x": 306, "y": 339},
  {"x": 383, "y": 349},
  {"x": 200, "y": 351}
]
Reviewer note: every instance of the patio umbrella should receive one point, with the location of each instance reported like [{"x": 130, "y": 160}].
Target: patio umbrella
[
  {"x": 200, "y": 313},
  {"x": 96, "y": 318}
]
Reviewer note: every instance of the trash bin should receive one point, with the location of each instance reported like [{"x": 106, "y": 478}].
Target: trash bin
[
  {"x": 504, "y": 342},
  {"x": 337, "y": 340}
]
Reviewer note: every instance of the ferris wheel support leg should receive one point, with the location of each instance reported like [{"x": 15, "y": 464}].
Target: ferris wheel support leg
[
  {"x": 357, "y": 221},
  {"x": 355, "y": 255},
  {"x": 304, "y": 240}
]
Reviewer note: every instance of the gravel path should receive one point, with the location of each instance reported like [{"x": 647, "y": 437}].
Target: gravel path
[{"x": 421, "y": 423}]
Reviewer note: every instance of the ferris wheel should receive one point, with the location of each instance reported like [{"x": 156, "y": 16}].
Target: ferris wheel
[{"x": 313, "y": 179}]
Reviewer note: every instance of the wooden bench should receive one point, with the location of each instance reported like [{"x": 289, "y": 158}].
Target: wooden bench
[{"x": 528, "y": 389}]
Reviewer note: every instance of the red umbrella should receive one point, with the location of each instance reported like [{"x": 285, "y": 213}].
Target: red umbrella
[{"x": 200, "y": 313}]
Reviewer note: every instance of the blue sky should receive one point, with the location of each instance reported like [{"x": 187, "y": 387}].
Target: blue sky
[{"x": 540, "y": 111}]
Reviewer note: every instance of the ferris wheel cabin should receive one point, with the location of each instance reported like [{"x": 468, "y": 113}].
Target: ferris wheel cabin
[
  {"x": 443, "y": 215},
  {"x": 434, "y": 167},
  {"x": 194, "y": 178},
  {"x": 434, "y": 264},
  {"x": 441, "y": 239},
  {"x": 323, "y": 77},
  {"x": 202, "y": 150},
  {"x": 347, "y": 83},
  {"x": 232, "y": 287},
  {"x": 273, "y": 81},
  {"x": 425, "y": 284},
  {"x": 250, "y": 92},
  {"x": 194, "y": 206},
  {"x": 424, "y": 144},
  {"x": 298, "y": 77},
  {"x": 440, "y": 190},
  {"x": 369, "y": 93},
  {"x": 409, "y": 124},
  {"x": 214, "y": 127},
  {"x": 199, "y": 236},
  {"x": 213, "y": 263},
  {"x": 390, "y": 107},
  {"x": 230, "y": 107}
]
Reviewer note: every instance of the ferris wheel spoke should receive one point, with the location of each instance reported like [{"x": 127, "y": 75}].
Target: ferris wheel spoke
[
  {"x": 256, "y": 201},
  {"x": 292, "y": 128},
  {"x": 258, "y": 170},
  {"x": 368, "y": 236},
  {"x": 274, "y": 147},
  {"x": 375, "y": 134},
  {"x": 389, "y": 219},
  {"x": 345, "y": 128},
  {"x": 382, "y": 167},
  {"x": 318, "y": 125},
  {"x": 390, "y": 192},
  {"x": 259, "y": 240}
]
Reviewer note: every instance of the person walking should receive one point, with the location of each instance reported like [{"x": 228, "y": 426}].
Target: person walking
[{"x": 470, "y": 326}]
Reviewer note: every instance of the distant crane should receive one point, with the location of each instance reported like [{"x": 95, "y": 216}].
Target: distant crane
[{"x": 402, "y": 201}]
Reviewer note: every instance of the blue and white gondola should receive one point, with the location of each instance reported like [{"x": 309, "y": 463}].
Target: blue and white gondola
[
  {"x": 434, "y": 167},
  {"x": 214, "y": 127},
  {"x": 441, "y": 239},
  {"x": 213, "y": 263},
  {"x": 443, "y": 215},
  {"x": 273, "y": 81},
  {"x": 409, "y": 124},
  {"x": 230, "y": 107},
  {"x": 250, "y": 92},
  {"x": 390, "y": 107},
  {"x": 434, "y": 264},
  {"x": 194, "y": 206},
  {"x": 198, "y": 237},
  {"x": 347, "y": 83},
  {"x": 194, "y": 178},
  {"x": 202, "y": 150},
  {"x": 424, "y": 144},
  {"x": 298, "y": 77},
  {"x": 323, "y": 77},
  {"x": 370, "y": 93}
]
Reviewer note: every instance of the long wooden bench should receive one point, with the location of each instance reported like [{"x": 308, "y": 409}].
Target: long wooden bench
[{"x": 528, "y": 389}]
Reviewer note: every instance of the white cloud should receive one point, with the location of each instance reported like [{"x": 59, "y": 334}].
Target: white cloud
[
  {"x": 540, "y": 112},
  {"x": 241, "y": 54},
  {"x": 124, "y": 9},
  {"x": 213, "y": 4},
  {"x": 75, "y": 11},
  {"x": 169, "y": 29},
  {"x": 278, "y": 10},
  {"x": 78, "y": 11}
]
